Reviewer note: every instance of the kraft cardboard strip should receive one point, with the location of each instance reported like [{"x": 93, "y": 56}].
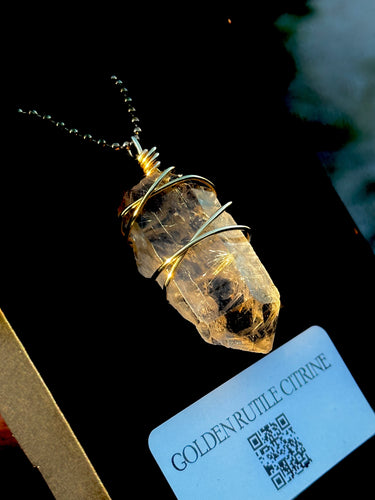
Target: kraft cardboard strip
[{"x": 40, "y": 427}]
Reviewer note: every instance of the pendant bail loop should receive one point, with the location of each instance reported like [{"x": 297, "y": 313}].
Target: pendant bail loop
[{"x": 134, "y": 143}]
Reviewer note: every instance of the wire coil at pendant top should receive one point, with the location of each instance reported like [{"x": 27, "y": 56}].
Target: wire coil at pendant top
[{"x": 134, "y": 210}]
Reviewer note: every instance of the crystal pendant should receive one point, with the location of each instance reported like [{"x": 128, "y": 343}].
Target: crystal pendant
[{"x": 218, "y": 283}]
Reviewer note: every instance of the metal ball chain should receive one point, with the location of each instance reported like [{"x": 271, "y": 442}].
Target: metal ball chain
[{"x": 88, "y": 137}]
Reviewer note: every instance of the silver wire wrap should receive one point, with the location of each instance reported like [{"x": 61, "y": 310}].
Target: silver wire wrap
[{"x": 147, "y": 159}]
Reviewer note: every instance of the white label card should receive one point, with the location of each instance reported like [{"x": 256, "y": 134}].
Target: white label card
[{"x": 270, "y": 431}]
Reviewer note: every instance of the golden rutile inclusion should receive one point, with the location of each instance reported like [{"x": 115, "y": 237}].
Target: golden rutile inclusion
[{"x": 220, "y": 285}]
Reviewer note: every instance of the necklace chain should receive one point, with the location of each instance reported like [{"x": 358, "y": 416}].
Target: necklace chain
[{"x": 88, "y": 137}]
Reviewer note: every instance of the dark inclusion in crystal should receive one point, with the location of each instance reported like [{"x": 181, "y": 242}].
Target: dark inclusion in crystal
[
  {"x": 238, "y": 320},
  {"x": 221, "y": 290}
]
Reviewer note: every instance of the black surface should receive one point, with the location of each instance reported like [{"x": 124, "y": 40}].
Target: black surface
[{"x": 211, "y": 96}]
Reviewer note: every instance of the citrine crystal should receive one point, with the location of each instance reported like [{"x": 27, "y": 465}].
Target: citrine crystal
[{"x": 220, "y": 285}]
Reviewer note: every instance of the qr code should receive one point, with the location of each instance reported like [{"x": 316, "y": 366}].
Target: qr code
[{"x": 280, "y": 451}]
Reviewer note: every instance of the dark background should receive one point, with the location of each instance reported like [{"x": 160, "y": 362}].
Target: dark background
[{"x": 211, "y": 95}]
